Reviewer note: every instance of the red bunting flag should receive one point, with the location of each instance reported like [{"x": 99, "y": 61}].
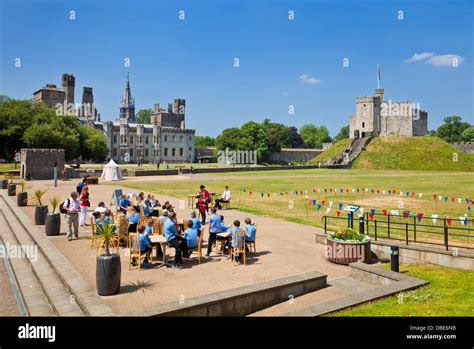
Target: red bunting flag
[
  {"x": 268, "y": 195},
  {"x": 338, "y": 213},
  {"x": 371, "y": 216},
  {"x": 314, "y": 190},
  {"x": 378, "y": 191},
  {"x": 434, "y": 196},
  {"x": 452, "y": 200},
  {"x": 310, "y": 202},
  {"x": 449, "y": 220},
  {"x": 405, "y": 214},
  {"x": 384, "y": 212},
  {"x": 250, "y": 193},
  {"x": 286, "y": 193},
  {"x": 420, "y": 216},
  {"x": 347, "y": 190},
  {"x": 330, "y": 189},
  {"x": 412, "y": 193},
  {"x": 323, "y": 202}
]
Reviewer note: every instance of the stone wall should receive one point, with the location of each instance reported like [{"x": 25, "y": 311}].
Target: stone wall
[
  {"x": 287, "y": 155},
  {"x": 467, "y": 147},
  {"x": 39, "y": 163}
]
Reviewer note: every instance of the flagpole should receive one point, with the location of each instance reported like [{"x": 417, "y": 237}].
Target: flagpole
[{"x": 378, "y": 76}]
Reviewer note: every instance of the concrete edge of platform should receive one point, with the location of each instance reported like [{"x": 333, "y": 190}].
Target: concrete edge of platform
[
  {"x": 391, "y": 283},
  {"x": 80, "y": 289},
  {"x": 418, "y": 253},
  {"x": 243, "y": 300}
]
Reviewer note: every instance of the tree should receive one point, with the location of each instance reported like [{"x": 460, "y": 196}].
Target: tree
[
  {"x": 229, "y": 138},
  {"x": 452, "y": 129},
  {"x": 277, "y": 136},
  {"x": 94, "y": 144},
  {"x": 204, "y": 141},
  {"x": 314, "y": 136},
  {"x": 143, "y": 116},
  {"x": 343, "y": 133},
  {"x": 468, "y": 134},
  {"x": 43, "y": 136},
  {"x": 296, "y": 141}
]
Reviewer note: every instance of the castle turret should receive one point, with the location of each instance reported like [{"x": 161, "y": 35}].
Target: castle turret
[
  {"x": 127, "y": 105},
  {"x": 69, "y": 81}
]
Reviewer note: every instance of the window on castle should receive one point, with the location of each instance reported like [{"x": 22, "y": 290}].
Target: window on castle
[
  {"x": 165, "y": 152},
  {"x": 146, "y": 140},
  {"x": 131, "y": 139},
  {"x": 114, "y": 152},
  {"x": 181, "y": 151},
  {"x": 181, "y": 138},
  {"x": 174, "y": 138},
  {"x": 363, "y": 124},
  {"x": 146, "y": 152},
  {"x": 190, "y": 138},
  {"x": 115, "y": 139},
  {"x": 173, "y": 151},
  {"x": 122, "y": 139},
  {"x": 190, "y": 149},
  {"x": 131, "y": 152},
  {"x": 166, "y": 138}
]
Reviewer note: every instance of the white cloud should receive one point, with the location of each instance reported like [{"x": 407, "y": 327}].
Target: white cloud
[
  {"x": 446, "y": 60},
  {"x": 306, "y": 79},
  {"x": 419, "y": 57},
  {"x": 437, "y": 60}
]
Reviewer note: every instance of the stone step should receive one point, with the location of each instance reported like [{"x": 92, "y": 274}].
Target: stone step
[
  {"x": 31, "y": 292},
  {"x": 68, "y": 293}
]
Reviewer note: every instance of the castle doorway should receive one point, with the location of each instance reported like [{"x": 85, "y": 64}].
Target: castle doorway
[{"x": 363, "y": 134}]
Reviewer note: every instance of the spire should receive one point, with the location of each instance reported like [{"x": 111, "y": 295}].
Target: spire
[{"x": 127, "y": 105}]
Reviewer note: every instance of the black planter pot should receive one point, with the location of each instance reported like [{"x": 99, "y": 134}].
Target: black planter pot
[
  {"x": 12, "y": 189},
  {"x": 4, "y": 183},
  {"x": 52, "y": 224},
  {"x": 40, "y": 214},
  {"x": 22, "y": 199},
  {"x": 107, "y": 275}
]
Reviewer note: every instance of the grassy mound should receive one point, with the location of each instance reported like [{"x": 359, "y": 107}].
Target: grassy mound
[
  {"x": 333, "y": 150},
  {"x": 413, "y": 153}
]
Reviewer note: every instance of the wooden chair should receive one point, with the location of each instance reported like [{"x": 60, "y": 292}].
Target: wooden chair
[
  {"x": 239, "y": 246},
  {"x": 198, "y": 249},
  {"x": 226, "y": 205},
  {"x": 157, "y": 226},
  {"x": 122, "y": 230},
  {"x": 252, "y": 244},
  {"x": 134, "y": 245}
]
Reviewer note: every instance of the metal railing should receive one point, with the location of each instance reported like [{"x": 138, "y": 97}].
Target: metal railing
[{"x": 408, "y": 230}]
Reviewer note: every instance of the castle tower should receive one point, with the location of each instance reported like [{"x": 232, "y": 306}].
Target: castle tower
[
  {"x": 127, "y": 105},
  {"x": 179, "y": 106},
  {"x": 69, "y": 82}
]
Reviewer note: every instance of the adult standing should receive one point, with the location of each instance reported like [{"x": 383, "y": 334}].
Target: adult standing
[
  {"x": 85, "y": 204},
  {"x": 203, "y": 202},
  {"x": 72, "y": 206},
  {"x": 81, "y": 185}
]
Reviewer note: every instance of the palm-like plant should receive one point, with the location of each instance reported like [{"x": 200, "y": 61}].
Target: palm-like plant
[
  {"x": 54, "y": 201},
  {"x": 106, "y": 237},
  {"x": 38, "y": 195},
  {"x": 22, "y": 185},
  {"x": 10, "y": 177}
]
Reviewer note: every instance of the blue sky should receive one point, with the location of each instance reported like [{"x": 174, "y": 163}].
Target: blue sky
[{"x": 282, "y": 62}]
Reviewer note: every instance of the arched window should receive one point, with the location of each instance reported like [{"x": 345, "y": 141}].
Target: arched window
[{"x": 363, "y": 124}]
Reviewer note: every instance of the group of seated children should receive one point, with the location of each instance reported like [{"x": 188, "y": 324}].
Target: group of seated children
[{"x": 216, "y": 225}]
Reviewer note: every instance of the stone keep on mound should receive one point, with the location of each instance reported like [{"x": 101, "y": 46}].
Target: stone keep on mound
[{"x": 39, "y": 163}]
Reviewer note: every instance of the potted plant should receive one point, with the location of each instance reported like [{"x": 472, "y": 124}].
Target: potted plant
[
  {"x": 4, "y": 182},
  {"x": 11, "y": 186},
  {"x": 53, "y": 219},
  {"x": 41, "y": 210},
  {"x": 348, "y": 246},
  {"x": 108, "y": 269},
  {"x": 22, "y": 198}
]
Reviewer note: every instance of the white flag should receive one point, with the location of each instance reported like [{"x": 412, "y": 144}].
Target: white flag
[
  {"x": 330, "y": 203},
  {"x": 440, "y": 197},
  {"x": 383, "y": 192},
  {"x": 328, "y": 210},
  {"x": 459, "y": 200},
  {"x": 362, "y": 210},
  {"x": 420, "y": 195},
  {"x": 394, "y": 212},
  {"x": 463, "y": 220},
  {"x": 434, "y": 217}
]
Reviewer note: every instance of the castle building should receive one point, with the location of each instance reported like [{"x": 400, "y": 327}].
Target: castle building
[
  {"x": 376, "y": 117},
  {"x": 63, "y": 98},
  {"x": 164, "y": 140}
]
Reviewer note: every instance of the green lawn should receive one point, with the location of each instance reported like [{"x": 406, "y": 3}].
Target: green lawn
[
  {"x": 450, "y": 293},
  {"x": 455, "y": 184}
]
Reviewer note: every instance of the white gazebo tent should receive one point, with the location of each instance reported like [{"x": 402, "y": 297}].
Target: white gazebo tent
[{"x": 111, "y": 172}]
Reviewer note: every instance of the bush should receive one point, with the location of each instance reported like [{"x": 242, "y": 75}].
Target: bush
[
  {"x": 348, "y": 235},
  {"x": 92, "y": 180}
]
